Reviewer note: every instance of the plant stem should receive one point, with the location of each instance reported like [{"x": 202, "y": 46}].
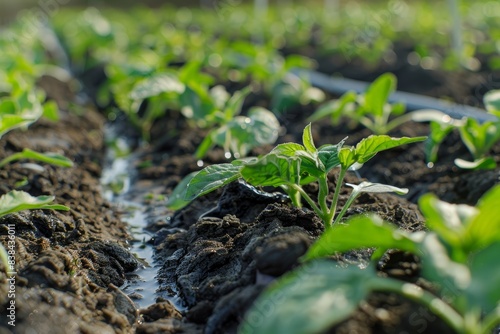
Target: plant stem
[
  {"x": 323, "y": 193},
  {"x": 417, "y": 294},
  {"x": 294, "y": 196},
  {"x": 309, "y": 200},
  {"x": 333, "y": 206},
  {"x": 394, "y": 123},
  {"x": 346, "y": 206},
  {"x": 10, "y": 158}
]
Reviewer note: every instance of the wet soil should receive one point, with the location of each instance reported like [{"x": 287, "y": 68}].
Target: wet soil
[{"x": 218, "y": 253}]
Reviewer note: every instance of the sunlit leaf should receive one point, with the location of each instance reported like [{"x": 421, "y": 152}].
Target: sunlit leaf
[
  {"x": 379, "y": 91},
  {"x": 211, "y": 178},
  {"x": 360, "y": 232},
  {"x": 15, "y": 201},
  {"x": 307, "y": 139},
  {"x": 311, "y": 299},
  {"x": 176, "y": 200},
  {"x": 484, "y": 229},
  {"x": 157, "y": 84}
]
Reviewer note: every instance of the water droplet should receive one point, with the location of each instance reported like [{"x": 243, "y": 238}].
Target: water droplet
[
  {"x": 430, "y": 164},
  {"x": 248, "y": 120},
  {"x": 227, "y": 155},
  {"x": 236, "y": 155},
  {"x": 199, "y": 163}
]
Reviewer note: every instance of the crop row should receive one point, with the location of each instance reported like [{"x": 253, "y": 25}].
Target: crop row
[{"x": 200, "y": 69}]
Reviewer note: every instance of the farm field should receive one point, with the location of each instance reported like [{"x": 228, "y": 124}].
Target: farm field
[{"x": 239, "y": 167}]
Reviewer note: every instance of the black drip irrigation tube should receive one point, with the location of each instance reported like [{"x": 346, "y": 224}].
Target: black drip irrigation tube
[{"x": 412, "y": 101}]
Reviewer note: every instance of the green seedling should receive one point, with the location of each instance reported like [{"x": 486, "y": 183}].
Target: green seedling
[
  {"x": 372, "y": 109},
  {"x": 292, "y": 91},
  {"x": 459, "y": 255},
  {"x": 290, "y": 166},
  {"x": 15, "y": 201},
  {"x": 478, "y": 138},
  {"x": 219, "y": 111}
]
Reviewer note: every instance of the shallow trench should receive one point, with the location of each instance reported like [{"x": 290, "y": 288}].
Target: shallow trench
[{"x": 120, "y": 188}]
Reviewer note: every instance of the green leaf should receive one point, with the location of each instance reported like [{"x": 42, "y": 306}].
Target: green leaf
[
  {"x": 15, "y": 201},
  {"x": 484, "y": 290},
  {"x": 479, "y": 164},
  {"x": 360, "y": 232},
  {"x": 347, "y": 157},
  {"x": 378, "y": 93},
  {"x": 329, "y": 155},
  {"x": 10, "y": 122},
  {"x": 155, "y": 85},
  {"x": 492, "y": 102},
  {"x": 234, "y": 104},
  {"x": 479, "y": 138},
  {"x": 207, "y": 143},
  {"x": 50, "y": 158},
  {"x": 307, "y": 139},
  {"x": 211, "y": 178},
  {"x": 484, "y": 229},
  {"x": 311, "y": 299},
  {"x": 243, "y": 133},
  {"x": 308, "y": 163},
  {"x": 449, "y": 221},
  {"x": 272, "y": 170},
  {"x": 51, "y": 111},
  {"x": 437, "y": 266},
  {"x": 370, "y": 146},
  {"x": 176, "y": 200},
  {"x": 7, "y": 107},
  {"x": 287, "y": 149},
  {"x": 197, "y": 104},
  {"x": 438, "y": 133}
]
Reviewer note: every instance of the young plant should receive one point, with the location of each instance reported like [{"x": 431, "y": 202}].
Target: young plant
[
  {"x": 293, "y": 90},
  {"x": 370, "y": 109},
  {"x": 219, "y": 111},
  {"x": 459, "y": 255},
  {"x": 290, "y": 166},
  {"x": 478, "y": 138}
]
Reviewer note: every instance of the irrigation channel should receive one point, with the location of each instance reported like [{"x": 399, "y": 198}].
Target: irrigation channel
[{"x": 121, "y": 189}]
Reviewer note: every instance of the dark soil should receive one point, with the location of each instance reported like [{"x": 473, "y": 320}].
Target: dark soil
[{"x": 219, "y": 252}]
